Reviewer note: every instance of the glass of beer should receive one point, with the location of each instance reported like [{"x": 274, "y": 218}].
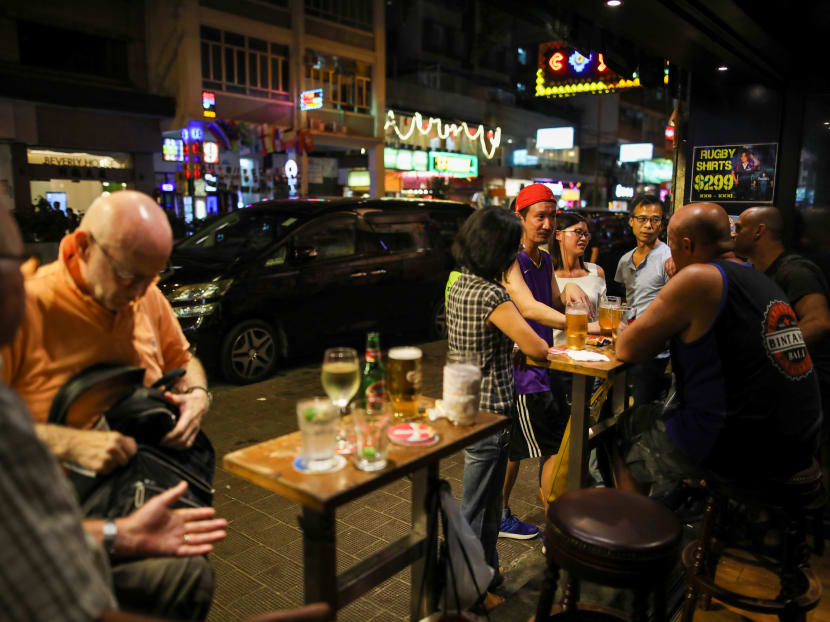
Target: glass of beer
[
  {"x": 610, "y": 311},
  {"x": 576, "y": 325},
  {"x": 627, "y": 316},
  {"x": 403, "y": 381}
]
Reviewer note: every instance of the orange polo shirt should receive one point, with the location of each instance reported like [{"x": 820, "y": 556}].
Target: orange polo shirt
[{"x": 65, "y": 331}]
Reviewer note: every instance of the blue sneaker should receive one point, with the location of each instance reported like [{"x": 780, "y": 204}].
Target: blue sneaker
[{"x": 512, "y": 527}]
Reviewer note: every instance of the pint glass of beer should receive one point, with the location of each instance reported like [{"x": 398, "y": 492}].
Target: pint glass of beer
[
  {"x": 609, "y": 316},
  {"x": 403, "y": 381},
  {"x": 576, "y": 325}
]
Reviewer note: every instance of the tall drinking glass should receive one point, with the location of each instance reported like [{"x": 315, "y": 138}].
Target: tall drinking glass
[
  {"x": 317, "y": 419},
  {"x": 576, "y": 325},
  {"x": 341, "y": 378},
  {"x": 609, "y": 316},
  {"x": 403, "y": 381},
  {"x": 627, "y": 316}
]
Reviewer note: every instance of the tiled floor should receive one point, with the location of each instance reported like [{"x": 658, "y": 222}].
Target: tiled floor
[{"x": 259, "y": 565}]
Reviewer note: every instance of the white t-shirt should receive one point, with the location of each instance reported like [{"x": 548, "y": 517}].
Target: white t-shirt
[{"x": 593, "y": 286}]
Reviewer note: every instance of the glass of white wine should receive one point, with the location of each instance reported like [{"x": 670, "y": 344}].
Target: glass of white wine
[{"x": 341, "y": 379}]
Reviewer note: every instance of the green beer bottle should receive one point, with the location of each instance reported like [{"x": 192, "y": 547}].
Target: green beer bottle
[{"x": 373, "y": 386}]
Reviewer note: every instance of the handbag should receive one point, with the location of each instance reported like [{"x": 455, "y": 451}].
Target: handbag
[{"x": 117, "y": 394}]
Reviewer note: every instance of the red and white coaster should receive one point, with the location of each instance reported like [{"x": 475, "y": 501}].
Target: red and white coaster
[{"x": 413, "y": 434}]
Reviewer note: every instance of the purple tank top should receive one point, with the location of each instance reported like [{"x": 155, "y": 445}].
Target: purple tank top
[{"x": 535, "y": 379}]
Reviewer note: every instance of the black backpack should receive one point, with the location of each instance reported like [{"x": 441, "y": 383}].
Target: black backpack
[{"x": 118, "y": 393}]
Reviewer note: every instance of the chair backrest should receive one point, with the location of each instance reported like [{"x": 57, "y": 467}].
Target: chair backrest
[{"x": 316, "y": 612}]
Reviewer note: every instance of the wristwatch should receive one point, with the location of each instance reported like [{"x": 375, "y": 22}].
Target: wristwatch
[
  {"x": 110, "y": 533},
  {"x": 208, "y": 393}
]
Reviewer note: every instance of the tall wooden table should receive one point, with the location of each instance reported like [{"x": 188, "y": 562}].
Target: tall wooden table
[
  {"x": 581, "y": 371},
  {"x": 268, "y": 465}
]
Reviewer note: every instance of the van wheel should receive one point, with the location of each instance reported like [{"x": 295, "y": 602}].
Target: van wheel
[
  {"x": 438, "y": 321},
  {"x": 249, "y": 352}
]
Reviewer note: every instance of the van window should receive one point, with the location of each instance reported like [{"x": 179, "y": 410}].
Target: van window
[
  {"x": 335, "y": 237},
  {"x": 237, "y": 234},
  {"x": 400, "y": 237}
]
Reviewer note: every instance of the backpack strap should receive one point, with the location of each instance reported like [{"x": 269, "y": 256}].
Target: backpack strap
[{"x": 91, "y": 391}]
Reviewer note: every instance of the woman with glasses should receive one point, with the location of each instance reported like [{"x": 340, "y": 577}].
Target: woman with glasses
[{"x": 569, "y": 265}]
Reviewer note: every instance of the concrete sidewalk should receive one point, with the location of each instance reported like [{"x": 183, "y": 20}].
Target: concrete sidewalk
[{"x": 259, "y": 565}]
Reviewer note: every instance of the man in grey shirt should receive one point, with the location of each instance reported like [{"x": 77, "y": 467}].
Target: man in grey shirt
[{"x": 642, "y": 271}]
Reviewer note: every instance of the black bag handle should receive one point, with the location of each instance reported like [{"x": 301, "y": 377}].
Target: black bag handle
[{"x": 169, "y": 379}]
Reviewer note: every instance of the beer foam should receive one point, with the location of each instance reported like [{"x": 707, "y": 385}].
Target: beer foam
[
  {"x": 576, "y": 312},
  {"x": 405, "y": 353}
]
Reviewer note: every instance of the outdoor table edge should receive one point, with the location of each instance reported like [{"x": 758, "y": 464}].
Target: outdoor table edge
[
  {"x": 560, "y": 362},
  {"x": 381, "y": 478}
]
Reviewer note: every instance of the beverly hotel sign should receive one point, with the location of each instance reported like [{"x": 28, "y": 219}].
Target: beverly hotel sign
[{"x": 78, "y": 160}]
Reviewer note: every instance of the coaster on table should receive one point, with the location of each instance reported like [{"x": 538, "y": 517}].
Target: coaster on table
[
  {"x": 413, "y": 434},
  {"x": 300, "y": 465}
]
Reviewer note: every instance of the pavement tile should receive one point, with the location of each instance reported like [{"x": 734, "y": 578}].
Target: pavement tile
[
  {"x": 401, "y": 511},
  {"x": 393, "y": 595},
  {"x": 247, "y": 492},
  {"x": 392, "y": 530},
  {"x": 379, "y": 500},
  {"x": 235, "y": 542},
  {"x": 261, "y": 601},
  {"x": 350, "y": 508},
  {"x": 344, "y": 561},
  {"x": 256, "y": 523},
  {"x": 360, "y": 610},
  {"x": 232, "y": 584},
  {"x": 366, "y": 519},
  {"x": 254, "y": 560},
  {"x": 284, "y": 576},
  {"x": 353, "y": 540},
  {"x": 234, "y": 510},
  {"x": 278, "y": 535},
  {"x": 220, "y": 614}
]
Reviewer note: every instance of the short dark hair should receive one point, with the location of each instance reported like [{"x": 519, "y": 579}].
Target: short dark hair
[
  {"x": 645, "y": 198},
  {"x": 563, "y": 221},
  {"x": 488, "y": 242}
]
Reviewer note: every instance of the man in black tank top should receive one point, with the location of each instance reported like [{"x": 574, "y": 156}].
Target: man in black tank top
[{"x": 748, "y": 401}]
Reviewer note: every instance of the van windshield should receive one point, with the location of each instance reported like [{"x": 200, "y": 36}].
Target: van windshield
[{"x": 240, "y": 234}]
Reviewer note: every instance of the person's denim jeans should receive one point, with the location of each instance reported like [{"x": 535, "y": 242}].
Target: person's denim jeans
[{"x": 485, "y": 463}]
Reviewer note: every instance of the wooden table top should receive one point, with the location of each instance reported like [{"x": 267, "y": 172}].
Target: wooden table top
[
  {"x": 268, "y": 464},
  {"x": 563, "y": 362}
]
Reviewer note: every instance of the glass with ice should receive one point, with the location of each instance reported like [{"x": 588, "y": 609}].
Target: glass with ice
[
  {"x": 372, "y": 443},
  {"x": 318, "y": 420}
]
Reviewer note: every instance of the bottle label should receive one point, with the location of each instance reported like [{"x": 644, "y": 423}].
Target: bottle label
[
  {"x": 372, "y": 355},
  {"x": 375, "y": 396}
]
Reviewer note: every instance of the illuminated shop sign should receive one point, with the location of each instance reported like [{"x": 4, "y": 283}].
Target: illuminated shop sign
[
  {"x": 168, "y": 187},
  {"x": 436, "y": 128},
  {"x": 311, "y": 100},
  {"x": 564, "y": 71},
  {"x": 210, "y": 152},
  {"x": 521, "y": 158},
  {"x": 555, "y": 138},
  {"x": 172, "y": 150},
  {"x": 636, "y": 152},
  {"x": 405, "y": 159},
  {"x": 209, "y": 104},
  {"x": 78, "y": 159},
  {"x": 359, "y": 179},
  {"x": 623, "y": 192},
  {"x": 454, "y": 164},
  {"x": 656, "y": 171}
]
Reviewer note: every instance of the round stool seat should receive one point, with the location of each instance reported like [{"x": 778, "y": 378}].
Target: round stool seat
[{"x": 614, "y": 537}]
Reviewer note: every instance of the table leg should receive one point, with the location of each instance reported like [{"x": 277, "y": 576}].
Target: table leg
[
  {"x": 578, "y": 459},
  {"x": 424, "y": 482},
  {"x": 319, "y": 552},
  {"x": 620, "y": 390}
]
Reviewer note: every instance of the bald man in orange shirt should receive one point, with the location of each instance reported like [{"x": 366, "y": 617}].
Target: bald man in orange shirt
[{"x": 99, "y": 303}]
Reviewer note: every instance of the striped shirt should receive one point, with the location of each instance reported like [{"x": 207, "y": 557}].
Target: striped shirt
[
  {"x": 49, "y": 569},
  {"x": 471, "y": 301}
]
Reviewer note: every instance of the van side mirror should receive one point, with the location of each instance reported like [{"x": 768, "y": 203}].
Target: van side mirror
[{"x": 304, "y": 254}]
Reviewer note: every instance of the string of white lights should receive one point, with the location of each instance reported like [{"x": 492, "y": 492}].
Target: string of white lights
[{"x": 443, "y": 131}]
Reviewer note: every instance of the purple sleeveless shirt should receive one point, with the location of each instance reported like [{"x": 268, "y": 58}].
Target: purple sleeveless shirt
[{"x": 535, "y": 379}]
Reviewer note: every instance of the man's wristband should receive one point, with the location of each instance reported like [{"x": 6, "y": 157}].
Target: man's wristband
[
  {"x": 208, "y": 393},
  {"x": 109, "y": 533}
]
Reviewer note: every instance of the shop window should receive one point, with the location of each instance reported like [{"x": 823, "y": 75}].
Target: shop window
[
  {"x": 332, "y": 238},
  {"x": 346, "y": 83},
  {"x": 80, "y": 52},
  {"x": 246, "y": 65}
]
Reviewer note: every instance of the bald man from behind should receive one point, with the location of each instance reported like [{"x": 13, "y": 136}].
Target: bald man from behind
[
  {"x": 748, "y": 403},
  {"x": 99, "y": 303},
  {"x": 758, "y": 238}
]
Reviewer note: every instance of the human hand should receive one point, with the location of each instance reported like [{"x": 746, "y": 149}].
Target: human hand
[
  {"x": 98, "y": 450},
  {"x": 671, "y": 269},
  {"x": 155, "y": 530},
  {"x": 192, "y": 408},
  {"x": 574, "y": 293},
  {"x": 519, "y": 359}
]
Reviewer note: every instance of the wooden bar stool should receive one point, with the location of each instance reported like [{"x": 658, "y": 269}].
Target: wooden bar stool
[
  {"x": 611, "y": 537},
  {"x": 785, "y": 505}
]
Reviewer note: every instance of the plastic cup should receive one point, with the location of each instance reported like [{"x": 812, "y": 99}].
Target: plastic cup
[
  {"x": 462, "y": 387},
  {"x": 318, "y": 420}
]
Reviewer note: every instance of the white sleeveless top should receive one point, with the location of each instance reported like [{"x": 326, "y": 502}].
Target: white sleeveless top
[{"x": 591, "y": 284}]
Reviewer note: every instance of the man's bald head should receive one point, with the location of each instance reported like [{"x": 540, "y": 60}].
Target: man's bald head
[
  {"x": 769, "y": 217},
  {"x": 758, "y": 231},
  {"x": 699, "y": 232},
  {"x": 11, "y": 280},
  {"x": 133, "y": 240}
]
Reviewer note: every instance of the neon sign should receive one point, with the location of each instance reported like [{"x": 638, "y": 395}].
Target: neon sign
[
  {"x": 209, "y": 104},
  {"x": 172, "y": 150},
  {"x": 291, "y": 171},
  {"x": 210, "y": 151},
  {"x": 311, "y": 100},
  {"x": 564, "y": 71},
  {"x": 453, "y": 164},
  {"x": 444, "y": 130}
]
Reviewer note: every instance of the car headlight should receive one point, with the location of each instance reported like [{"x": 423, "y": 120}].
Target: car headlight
[
  {"x": 196, "y": 310},
  {"x": 199, "y": 291}
]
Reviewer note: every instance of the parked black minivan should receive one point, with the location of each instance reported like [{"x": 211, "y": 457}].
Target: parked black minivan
[{"x": 269, "y": 280}]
